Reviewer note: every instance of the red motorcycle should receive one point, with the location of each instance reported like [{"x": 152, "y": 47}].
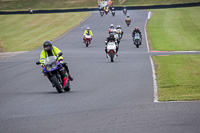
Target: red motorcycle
[
  {"x": 87, "y": 39},
  {"x": 106, "y": 11}
]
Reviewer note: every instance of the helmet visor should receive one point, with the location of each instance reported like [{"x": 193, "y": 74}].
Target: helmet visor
[{"x": 47, "y": 48}]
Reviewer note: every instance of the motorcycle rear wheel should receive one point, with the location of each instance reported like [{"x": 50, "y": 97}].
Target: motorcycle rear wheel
[
  {"x": 111, "y": 56},
  {"x": 67, "y": 89}
]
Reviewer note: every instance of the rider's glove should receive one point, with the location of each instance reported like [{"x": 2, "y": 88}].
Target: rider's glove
[{"x": 61, "y": 62}]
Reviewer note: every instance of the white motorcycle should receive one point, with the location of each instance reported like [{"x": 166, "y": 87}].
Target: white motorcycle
[{"x": 111, "y": 51}]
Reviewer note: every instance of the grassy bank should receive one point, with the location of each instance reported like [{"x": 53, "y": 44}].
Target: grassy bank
[
  {"x": 178, "y": 77},
  {"x": 45, "y": 4},
  {"x": 175, "y": 29},
  {"x": 27, "y": 32},
  {"x": 58, "y": 4}
]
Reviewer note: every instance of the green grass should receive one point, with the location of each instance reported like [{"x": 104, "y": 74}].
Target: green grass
[
  {"x": 45, "y": 4},
  {"x": 175, "y": 29},
  {"x": 156, "y": 2},
  {"x": 27, "y": 32},
  {"x": 59, "y": 4},
  {"x": 178, "y": 77}
]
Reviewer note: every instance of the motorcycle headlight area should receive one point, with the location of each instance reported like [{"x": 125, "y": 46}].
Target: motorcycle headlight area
[
  {"x": 54, "y": 66},
  {"x": 48, "y": 68}
]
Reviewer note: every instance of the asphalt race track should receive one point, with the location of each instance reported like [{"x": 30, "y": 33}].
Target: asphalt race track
[{"x": 105, "y": 98}]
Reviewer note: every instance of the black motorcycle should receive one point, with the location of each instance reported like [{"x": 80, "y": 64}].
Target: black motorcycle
[
  {"x": 137, "y": 40},
  {"x": 113, "y": 13},
  {"x": 101, "y": 13},
  {"x": 125, "y": 11}
]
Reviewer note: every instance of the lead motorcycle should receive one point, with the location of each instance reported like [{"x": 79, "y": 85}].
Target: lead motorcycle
[
  {"x": 56, "y": 73},
  {"x": 111, "y": 50},
  {"x": 137, "y": 41}
]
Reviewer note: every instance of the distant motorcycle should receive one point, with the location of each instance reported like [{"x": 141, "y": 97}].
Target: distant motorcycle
[
  {"x": 128, "y": 21},
  {"x": 119, "y": 32},
  {"x": 113, "y": 13},
  {"x": 54, "y": 70},
  {"x": 110, "y": 30},
  {"x": 87, "y": 39},
  {"x": 137, "y": 40},
  {"x": 106, "y": 11},
  {"x": 101, "y": 13},
  {"x": 117, "y": 38},
  {"x": 125, "y": 11},
  {"x": 111, "y": 51}
]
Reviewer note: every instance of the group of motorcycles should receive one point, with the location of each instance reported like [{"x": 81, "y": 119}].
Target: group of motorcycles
[
  {"x": 128, "y": 19},
  {"x": 53, "y": 68},
  {"x": 107, "y": 10}
]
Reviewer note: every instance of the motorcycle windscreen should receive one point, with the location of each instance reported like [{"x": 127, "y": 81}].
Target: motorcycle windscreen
[
  {"x": 137, "y": 36},
  {"x": 50, "y": 60}
]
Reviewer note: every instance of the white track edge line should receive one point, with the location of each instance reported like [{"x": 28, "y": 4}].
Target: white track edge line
[
  {"x": 154, "y": 81},
  {"x": 154, "y": 74},
  {"x": 146, "y": 33},
  {"x": 152, "y": 64}
]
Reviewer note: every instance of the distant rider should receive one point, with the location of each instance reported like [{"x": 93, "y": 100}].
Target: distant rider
[
  {"x": 128, "y": 18},
  {"x": 119, "y": 27},
  {"x": 111, "y": 28},
  {"x": 125, "y": 10},
  {"x": 87, "y": 31},
  {"x": 111, "y": 38},
  {"x": 113, "y": 9},
  {"x": 106, "y": 7},
  {"x": 50, "y": 50}
]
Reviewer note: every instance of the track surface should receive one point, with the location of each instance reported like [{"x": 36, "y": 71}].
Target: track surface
[{"x": 106, "y": 97}]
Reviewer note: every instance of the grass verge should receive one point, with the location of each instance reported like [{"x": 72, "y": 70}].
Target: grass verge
[
  {"x": 63, "y": 4},
  {"x": 175, "y": 29},
  {"x": 45, "y": 4},
  {"x": 27, "y": 32},
  {"x": 178, "y": 77}
]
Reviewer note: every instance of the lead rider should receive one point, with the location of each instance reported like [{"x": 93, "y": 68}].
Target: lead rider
[
  {"x": 111, "y": 38},
  {"x": 50, "y": 50}
]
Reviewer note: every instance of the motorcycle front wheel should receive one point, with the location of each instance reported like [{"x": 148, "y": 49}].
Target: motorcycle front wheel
[{"x": 57, "y": 84}]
